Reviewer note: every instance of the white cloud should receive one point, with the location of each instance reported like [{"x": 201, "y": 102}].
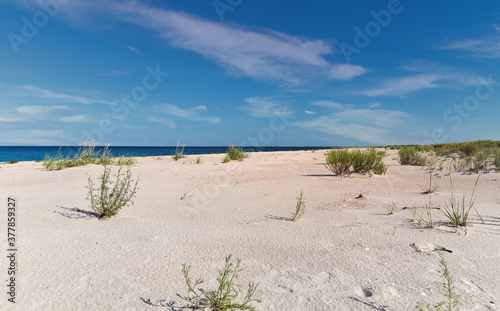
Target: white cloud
[
  {"x": 32, "y": 137},
  {"x": 12, "y": 120},
  {"x": 75, "y": 118},
  {"x": 133, "y": 49},
  {"x": 310, "y": 112},
  {"x": 486, "y": 47},
  {"x": 260, "y": 54},
  {"x": 191, "y": 114},
  {"x": 165, "y": 122},
  {"x": 374, "y": 126},
  {"x": 329, "y": 104},
  {"x": 113, "y": 73},
  {"x": 38, "y": 110},
  {"x": 262, "y": 107},
  {"x": 375, "y": 105},
  {"x": 405, "y": 85},
  {"x": 346, "y": 72}
]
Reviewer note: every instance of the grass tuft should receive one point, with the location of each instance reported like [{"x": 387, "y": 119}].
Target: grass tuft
[
  {"x": 179, "y": 153},
  {"x": 411, "y": 156},
  {"x": 222, "y": 298},
  {"x": 234, "y": 153},
  {"x": 458, "y": 213},
  {"x": 344, "y": 162},
  {"x": 300, "y": 208},
  {"x": 12, "y": 161}
]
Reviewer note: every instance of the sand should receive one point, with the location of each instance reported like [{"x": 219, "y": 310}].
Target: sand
[{"x": 345, "y": 253}]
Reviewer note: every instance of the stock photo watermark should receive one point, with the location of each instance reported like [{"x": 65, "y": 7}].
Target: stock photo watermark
[
  {"x": 459, "y": 112},
  {"x": 12, "y": 238},
  {"x": 223, "y": 6},
  {"x": 363, "y": 36},
  {"x": 38, "y": 20},
  {"x": 121, "y": 108}
]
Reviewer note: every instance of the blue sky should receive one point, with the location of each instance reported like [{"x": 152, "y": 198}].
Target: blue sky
[{"x": 248, "y": 72}]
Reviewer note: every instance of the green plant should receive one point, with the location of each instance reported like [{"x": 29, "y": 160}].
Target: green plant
[
  {"x": 411, "y": 156},
  {"x": 199, "y": 160},
  {"x": 496, "y": 159},
  {"x": 345, "y": 162},
  {"x": 126, "y": 160},
  {"x": 234, "y": 153},
  {"x": 452, "y": 301},
  {"x": 300, "y": 208},
  {"x": 12, "y": 161},
  {"x": 223, "y": 297},
  {"x": 179, "y": 153},
  {"x": 458, "y": 213},
  {"x": 186, "y": 195},
  {"x": 107, "y": 199},
  {"x": 390, "y": 208}
]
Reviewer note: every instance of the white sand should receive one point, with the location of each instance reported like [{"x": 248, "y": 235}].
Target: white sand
[{"x": 344, "y": 254}]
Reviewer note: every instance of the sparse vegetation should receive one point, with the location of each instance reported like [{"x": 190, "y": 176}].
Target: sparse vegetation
[
  {"x": 126, "y": 160},
  {"x": 86, "y": 155},
  {"x": 12, "y": 161},
  {"x": 411, "y": 156},
  {"x": 107, "y": 199},
  {"x": 391, "y": 208},
  {"x": 458, "y": 213},
  {"x": 300, "y": 208},
  {"x": 222, "y": 298},
  {"x": 179, "y": 152},
  {"x": 452, "y": 299},
  {"x": 345, "y": 162},
  {"x": 234, "y": 153},
  {"x": 199, "y": 160}
]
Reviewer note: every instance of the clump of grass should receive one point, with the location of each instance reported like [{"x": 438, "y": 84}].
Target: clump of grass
[
  {"x": 86, "y": 155},
  {"x": 234, "y": 153},
  {"x": 496, "y": 159},
  {"x": 222, "y": 298},
  {"x": 179, "y": 152},
  {"x": 391, "y": 208},
  {"x": 107, "y": 199},
  {"x": 12, "y": 161},
  {"x": 458, "y": 213},
  {"x": 345, "y": 162},
  {"x": 300, "y": 208},
  {"x": 411, "y": 156},
  {"x": 452, "y": 299},
  {"x": 186, "y": 195},
  {"x": 126, "y": 160},
  {"x": 199, "y": 160}
]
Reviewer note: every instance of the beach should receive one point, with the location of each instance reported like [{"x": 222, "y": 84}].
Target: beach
[{"x": 345, "y": 253}]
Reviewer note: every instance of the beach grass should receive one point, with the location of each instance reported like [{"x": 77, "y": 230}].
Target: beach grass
[
  {"x": 234, "y": 153},
  {"x": 179, "y": 152},
  {"x": 12, "y": 161},
  {"x": 344, "y": 162},
  {"x": 300, "y": 207}
]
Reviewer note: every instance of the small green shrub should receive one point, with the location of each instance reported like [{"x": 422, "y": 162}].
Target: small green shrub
[
  {"x": 411, "y": 156},
  {"x": 199, "y": 160},
  {"x": 452, "y": 301},
  {"x": 344, "y": 162},
  {"x": 234, "y": 153},
  {"x": 223, "y": 297},
  {"x": 300, "y": 208},
  {"x": 496, "y": 159},
  {"x": 12, "y": 161},
  {"x": 110, "y": 197}
]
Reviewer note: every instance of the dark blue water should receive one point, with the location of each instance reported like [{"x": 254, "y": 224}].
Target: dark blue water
[{"x": 37, "y": 153}]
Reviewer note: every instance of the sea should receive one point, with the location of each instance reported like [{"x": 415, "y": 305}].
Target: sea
[{"x": 38, "y": 153}]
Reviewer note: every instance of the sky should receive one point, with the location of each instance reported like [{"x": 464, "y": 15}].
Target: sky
[{"x": 249, "y": 73}]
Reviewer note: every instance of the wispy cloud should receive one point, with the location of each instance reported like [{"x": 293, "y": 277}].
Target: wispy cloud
[
  {"x": 38, "y": 109},
  {"x": 346, "y": 72},
  {"x": 329, "y": 104},
  {"x": 32, "y": 137},
  {"x": 133, "y": 49},
  {"x": 265, "y": 107},
  {"x": 309, "y": 112},
  {"x": 75, "y": 118},
  {"x": 262, "y": 54},
  {"x": 404, "y": 86},
  {"x": 113, "y": 73},
  {"x": 485, "y": 47},
  {"x": 192, "y": 114},
  {"x": 168, "y": 123},
  {"x": 373, "y": 126},
  {"x": 30, "y": 91}
]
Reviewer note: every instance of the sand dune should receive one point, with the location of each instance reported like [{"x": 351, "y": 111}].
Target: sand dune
[{"x": 345, "y": 253}]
